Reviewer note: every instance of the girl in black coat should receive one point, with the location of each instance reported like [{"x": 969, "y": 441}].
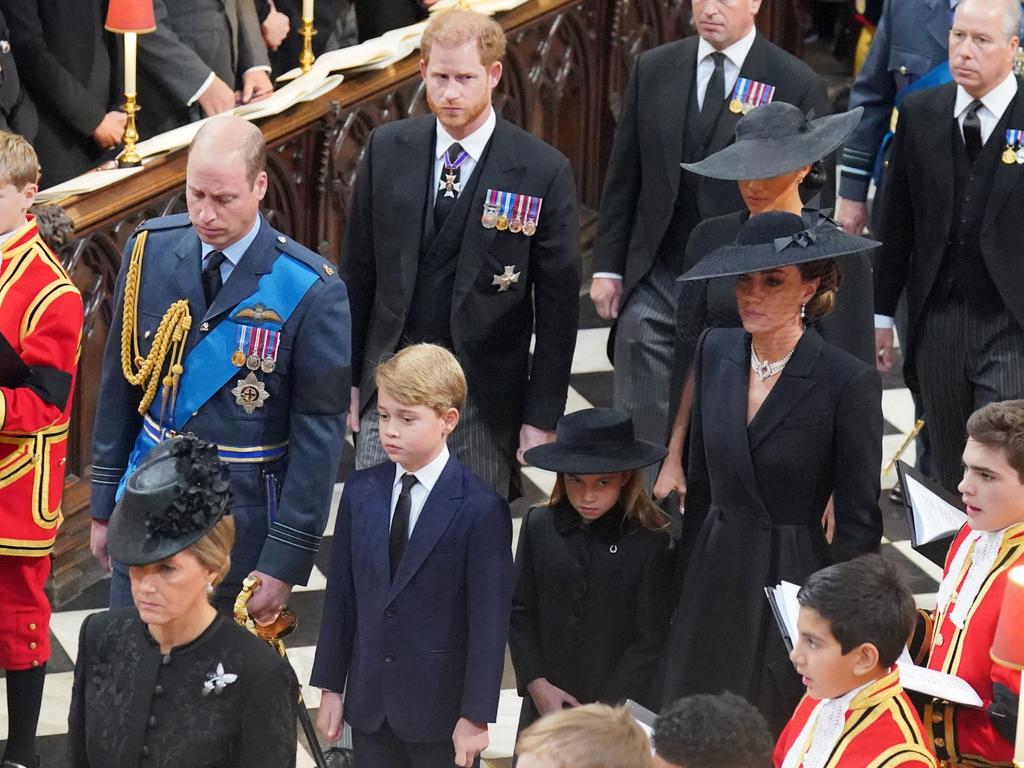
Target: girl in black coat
[{"x": 591, "y": 605}]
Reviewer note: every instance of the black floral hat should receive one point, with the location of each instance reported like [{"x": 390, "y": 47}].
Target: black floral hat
[{"x": 175, "y": 496}]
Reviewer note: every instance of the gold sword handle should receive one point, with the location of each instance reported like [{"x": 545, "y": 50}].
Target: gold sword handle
[{"x": 918, "y": 426}]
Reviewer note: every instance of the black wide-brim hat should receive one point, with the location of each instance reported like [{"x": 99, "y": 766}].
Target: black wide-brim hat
[
  {"x": 778, "y": 239},
  {"x": 776, "y": 139},
  {"x": 594, "y": 441},
  {"x": 173, "y": 499}
]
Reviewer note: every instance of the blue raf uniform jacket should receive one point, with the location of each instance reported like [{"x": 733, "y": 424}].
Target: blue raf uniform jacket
[
  {"x": 280, "y": 507},
  {"x": 910, "y": 41},
  {"x": 429, "y": 647}
]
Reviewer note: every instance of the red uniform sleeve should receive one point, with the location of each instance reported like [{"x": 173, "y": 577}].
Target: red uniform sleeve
[{"x": 51, "y": 349}]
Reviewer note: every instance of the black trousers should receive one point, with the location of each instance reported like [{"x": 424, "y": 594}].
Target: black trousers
[
  {"x": 966, "y": 357},
  {"x": 383, "y": 749}
]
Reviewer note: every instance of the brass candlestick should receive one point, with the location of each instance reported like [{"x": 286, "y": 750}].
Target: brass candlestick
[
  {"x": 306, "y": 58},
  {"x": 128, "y": 156}
]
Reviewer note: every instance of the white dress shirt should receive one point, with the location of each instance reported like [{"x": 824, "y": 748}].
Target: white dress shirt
[
  {"x": 426, "y": 479},
  {"x": 735, "y": 55},
  {"x": 993, "y": 104},
  {"x": 233, "y": 253},
  {"x": 474, "y": 145}
]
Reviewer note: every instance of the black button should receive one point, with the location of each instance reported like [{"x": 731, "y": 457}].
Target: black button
[
  {"x": 967, "y": 198},
  {"x": 166, "y": 660},
  {"x": 158, "y": 691},
  {"x": 389, "y": 611},
  {"x": 388, "y": 658},
  {"x": 963, "y": 221},
  {"x": 577, "y": 637},
  {"x": 152, "y": 721},
  {"x": 763, "y": 523},
  {"x": 578, "y": 611},
  {"x": 145, "y": 751}
]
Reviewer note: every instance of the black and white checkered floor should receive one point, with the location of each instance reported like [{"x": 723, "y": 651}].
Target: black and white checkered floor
[{"x": 591, "y": 385}]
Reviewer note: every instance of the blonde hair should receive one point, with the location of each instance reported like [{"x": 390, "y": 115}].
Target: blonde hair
[
  {"x": 591, "y": 736},
  {"x": 213, "y": 551},
  {"x": 424, "y": 374},
  {"x": 19, "y": 164},
  {"x": 635, "y": 500},
  {"x": 456, "y": 27}
]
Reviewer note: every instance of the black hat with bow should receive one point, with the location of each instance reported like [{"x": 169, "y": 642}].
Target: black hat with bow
[
  {"x": 176, "y": 495},
  {"x": 778, "y": 239}
]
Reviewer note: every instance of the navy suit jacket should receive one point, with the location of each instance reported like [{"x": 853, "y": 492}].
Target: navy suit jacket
[{"x": 428, "y": 648}]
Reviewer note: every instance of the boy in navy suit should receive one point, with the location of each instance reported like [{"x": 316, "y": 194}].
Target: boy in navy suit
[{"x": 419, "y": 587}]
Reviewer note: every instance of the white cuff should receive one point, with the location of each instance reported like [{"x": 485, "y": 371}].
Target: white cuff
[
  {"x": 202, "y": 89},
  {"x": 884, "y": 321},
  {"x": 608, "y": 275},
  {"x": 261, "y": 68}
]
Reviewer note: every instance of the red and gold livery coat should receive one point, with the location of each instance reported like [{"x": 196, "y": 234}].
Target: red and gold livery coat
[
  {"x": 41, "y": 316},
  {"x": 964, "y": 736},
  {"x": 882, "y": 730}
]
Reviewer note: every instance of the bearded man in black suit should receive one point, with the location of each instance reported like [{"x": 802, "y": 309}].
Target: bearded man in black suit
[{"x": 464, "y": 232}]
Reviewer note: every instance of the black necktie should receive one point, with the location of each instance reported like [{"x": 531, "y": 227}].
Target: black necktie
[
  {"x": 211, "y": 276},
  {"x": 448, "y": 189},
  {"x": 972, "y": 130},
  {"x": 400, "y": 523},
  {"x": 714, "y": 94}
]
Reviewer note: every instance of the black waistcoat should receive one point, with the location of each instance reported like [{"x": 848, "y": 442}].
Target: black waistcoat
[
  {"x": 963, "y": 270},
  {"x": 687, "y": 212},
  {"x": 429, "y": 317}
]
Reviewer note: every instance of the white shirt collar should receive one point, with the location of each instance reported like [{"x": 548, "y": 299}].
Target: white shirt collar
[
  {"x": 995, "y": 101},
  {"x": 428, "y": 475},
  {"x": 237, "y": 249},
  {"x": 474, "y": 144},
  {"x": 8, "y": 235},
  {"x": 736, "y": 53}
]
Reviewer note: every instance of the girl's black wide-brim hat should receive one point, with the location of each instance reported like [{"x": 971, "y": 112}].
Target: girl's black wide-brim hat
[
  {"x": 776, "y": 139},
  {"x": 778, "y": 239},
  {"x": 173, "y": 499},
  {"x": 594, "y": 441}
]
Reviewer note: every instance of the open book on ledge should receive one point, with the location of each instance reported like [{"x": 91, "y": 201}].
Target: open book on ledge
[
  {"x": 310, "y": 86},
  {"x": 933, "y": 513},
  {"x": 786, "y": 609}
]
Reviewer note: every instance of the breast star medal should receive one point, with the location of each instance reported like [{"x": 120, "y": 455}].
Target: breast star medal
[
  {"x": 250, "y": 393},
  {"x": 504, "y": 281}
]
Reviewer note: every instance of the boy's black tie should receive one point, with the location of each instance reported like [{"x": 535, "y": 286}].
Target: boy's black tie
[{"x": 400, "y": 523}]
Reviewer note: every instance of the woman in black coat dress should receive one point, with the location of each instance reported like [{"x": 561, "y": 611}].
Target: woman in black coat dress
[
  {"x": 590, "y": 610},
  {"x": 773, "y": 181},
  {"x": 782, "y": 421},
  {"x": 171, "y": 683}
]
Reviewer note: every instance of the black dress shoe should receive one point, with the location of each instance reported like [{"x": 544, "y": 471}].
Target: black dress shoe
[
  {"x": 338, "y": 757},
  {"x": 896, "y": 495}
]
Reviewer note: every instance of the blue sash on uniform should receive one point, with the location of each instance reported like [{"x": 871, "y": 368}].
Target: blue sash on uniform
[
  {"x": 937, "y": 75},
  {"x": 208, "y": 366}
]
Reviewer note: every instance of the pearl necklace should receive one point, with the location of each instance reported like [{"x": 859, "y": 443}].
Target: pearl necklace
[{"x": 765, "y": 369}]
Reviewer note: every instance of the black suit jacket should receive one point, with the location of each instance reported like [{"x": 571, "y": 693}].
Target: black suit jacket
[
  {"x": 490, "y": 328},
  {"x": 17, "y": 111},
  {"x": 64, "y": 57},
  {"x": 643, "y": 171},
  {"x": 919, "y": 210}
]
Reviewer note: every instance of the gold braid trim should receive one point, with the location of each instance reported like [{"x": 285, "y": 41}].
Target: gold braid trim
[{"x": 170, "y": 338}]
